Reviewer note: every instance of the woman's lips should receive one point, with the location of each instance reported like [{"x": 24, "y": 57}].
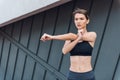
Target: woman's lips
[{"x": 78, "y": 25}]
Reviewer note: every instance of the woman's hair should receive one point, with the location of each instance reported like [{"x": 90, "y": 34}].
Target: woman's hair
[{"x": 81, "y": 11}]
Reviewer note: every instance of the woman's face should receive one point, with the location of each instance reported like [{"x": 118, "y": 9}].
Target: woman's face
[{"x": 80, "y": 21}]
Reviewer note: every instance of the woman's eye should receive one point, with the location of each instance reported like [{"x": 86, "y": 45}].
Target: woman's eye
[
  {"x": 81, "y": 18},
  {"x": 76, "y": 19}
]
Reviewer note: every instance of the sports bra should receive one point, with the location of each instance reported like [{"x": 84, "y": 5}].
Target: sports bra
[{"x": 82, "y": 49}]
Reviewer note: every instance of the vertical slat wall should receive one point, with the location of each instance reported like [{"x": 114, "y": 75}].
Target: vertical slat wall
[
  {"x": 109, "y": 52},
  {"x": 99, "y": 15},
  {"x": 24, "y": 57}
]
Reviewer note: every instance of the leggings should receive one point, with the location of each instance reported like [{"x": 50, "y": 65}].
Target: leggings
[{"x": 81, "y": 76}]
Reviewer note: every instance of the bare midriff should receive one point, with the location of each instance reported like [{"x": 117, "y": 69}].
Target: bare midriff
[{"x": 80, "y": 63}]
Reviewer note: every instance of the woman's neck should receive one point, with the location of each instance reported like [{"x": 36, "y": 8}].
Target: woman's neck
[{"x": 83, "y": 31}]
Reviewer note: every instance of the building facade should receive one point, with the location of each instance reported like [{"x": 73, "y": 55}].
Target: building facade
[{"x": 24, "y": 57}]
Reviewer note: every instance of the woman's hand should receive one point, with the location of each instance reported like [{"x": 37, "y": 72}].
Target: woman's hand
[
  {"x": 80, "y": 35},
  {"x": 46, "y": 37}
]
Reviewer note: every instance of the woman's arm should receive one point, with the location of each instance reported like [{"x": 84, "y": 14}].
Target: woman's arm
[
  {"x": 68, "y": 46},
  {"x": 68, "y": 36}
]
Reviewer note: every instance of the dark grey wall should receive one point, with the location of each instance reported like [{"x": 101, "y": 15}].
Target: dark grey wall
[{"x": 24, "y": 57}]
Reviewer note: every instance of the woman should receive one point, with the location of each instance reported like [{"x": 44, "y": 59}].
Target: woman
[{"x": 79, "y": 46}]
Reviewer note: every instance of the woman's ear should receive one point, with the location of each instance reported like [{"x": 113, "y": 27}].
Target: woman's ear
[{"x": 88, "y": 21}]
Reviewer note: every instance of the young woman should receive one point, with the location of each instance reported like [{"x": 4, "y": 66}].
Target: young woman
[{"x": 79, "y": 46}]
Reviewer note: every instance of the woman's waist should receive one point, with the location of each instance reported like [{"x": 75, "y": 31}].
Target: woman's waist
[
  {"x": 80, "y": 63},
  {"x": 81, "y": 67},
  {"x": 82, "y": 70}
]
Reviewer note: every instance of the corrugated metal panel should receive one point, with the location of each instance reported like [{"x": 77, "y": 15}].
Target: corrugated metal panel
[
  {"x": 24, "y": 57},
  {"x": 110, "y": 48}
]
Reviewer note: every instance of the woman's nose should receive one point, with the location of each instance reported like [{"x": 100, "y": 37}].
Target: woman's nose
[{"x": 78, "y": 21}]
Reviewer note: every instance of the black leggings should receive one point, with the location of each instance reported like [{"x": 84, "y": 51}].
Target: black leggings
[
  {"x": 82, "y": 79},
  {"x": 81, "y": 76}
]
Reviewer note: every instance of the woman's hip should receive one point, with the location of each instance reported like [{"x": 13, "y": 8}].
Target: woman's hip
[{"x": 81, "y": 76}]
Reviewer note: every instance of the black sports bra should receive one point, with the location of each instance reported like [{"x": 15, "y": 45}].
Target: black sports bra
[{"x": 82, "y": 49}]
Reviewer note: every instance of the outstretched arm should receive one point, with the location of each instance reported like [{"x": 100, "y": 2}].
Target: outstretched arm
[{"x": 68, "y": 36}]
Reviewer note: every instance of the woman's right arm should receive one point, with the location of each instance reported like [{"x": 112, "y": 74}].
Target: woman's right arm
[
  {"x": 68, "y": 46},
  {"x": 68, "y": 36}
]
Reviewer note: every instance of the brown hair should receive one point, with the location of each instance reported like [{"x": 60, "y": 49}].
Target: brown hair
[{"x": 81, "y": 11}]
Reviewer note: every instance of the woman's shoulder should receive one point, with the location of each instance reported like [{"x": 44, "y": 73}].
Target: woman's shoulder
[{"x": 92, "y": 33}]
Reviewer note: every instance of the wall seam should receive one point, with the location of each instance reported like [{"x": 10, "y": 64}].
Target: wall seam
[
  {"x": 17, "y": 51},
  {"x": 107, "y": 19},
  {"x": 8, "y": 54},
  {"x": 2, "y": 50},
  {"x": 38, "y": 45},
  {"x": 118, "y": 60},
  {"x": 26, "y": 56}
]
